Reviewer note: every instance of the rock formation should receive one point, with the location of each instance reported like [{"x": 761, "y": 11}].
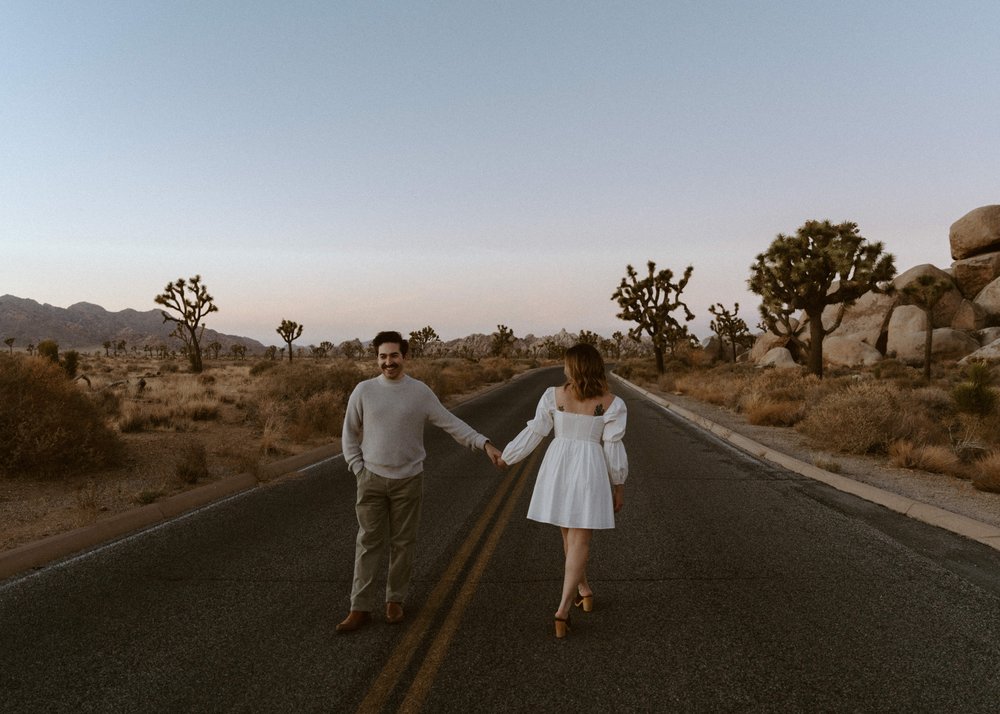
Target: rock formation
[{"x": 965, "y": 321}]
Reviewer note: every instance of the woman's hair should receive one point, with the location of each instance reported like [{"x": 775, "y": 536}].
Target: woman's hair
[{"x": 586, "y": 371}]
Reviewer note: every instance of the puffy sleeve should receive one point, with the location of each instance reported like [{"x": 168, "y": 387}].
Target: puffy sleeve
[
  {"x": 536, "y": 430},
  {"x": 614, "y": 451}
]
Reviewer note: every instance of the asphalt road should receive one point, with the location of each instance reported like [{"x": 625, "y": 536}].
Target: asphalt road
[{"x": 729, "y": 585}]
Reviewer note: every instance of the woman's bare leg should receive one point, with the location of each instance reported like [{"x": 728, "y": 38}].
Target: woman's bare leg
[
  {"x": 583, "y": 587},
  {"x": 577, "y": 546}
]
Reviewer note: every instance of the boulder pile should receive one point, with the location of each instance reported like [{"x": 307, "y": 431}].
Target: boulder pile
[{"x": 965, "y": 321}]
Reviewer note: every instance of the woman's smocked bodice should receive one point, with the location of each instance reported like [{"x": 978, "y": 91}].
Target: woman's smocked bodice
[{"x": 578, "y": 427}]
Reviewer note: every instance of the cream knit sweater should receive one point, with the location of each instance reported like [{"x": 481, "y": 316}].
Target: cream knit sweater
[{"x": 384, "y": 426}]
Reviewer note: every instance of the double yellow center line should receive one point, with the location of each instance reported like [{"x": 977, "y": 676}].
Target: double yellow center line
[{"x": 419, "y": 630}]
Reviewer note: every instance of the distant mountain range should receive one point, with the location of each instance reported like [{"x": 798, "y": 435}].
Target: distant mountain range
[{"x": 85, "y": 326}]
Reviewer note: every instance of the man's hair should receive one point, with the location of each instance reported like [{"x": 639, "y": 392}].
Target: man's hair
[
  {"x": 586, "y": 371},
  {"x": 391, "y": 336}
]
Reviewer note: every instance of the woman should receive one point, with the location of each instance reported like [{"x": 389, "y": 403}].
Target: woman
[{"x": 573, "y": 490}]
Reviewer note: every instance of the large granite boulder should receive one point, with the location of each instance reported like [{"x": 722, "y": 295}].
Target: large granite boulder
[
  {"x": 906, "y": 321},
  {"x": 764, "y": 344},
  {"x": 969, "y": 317},
  {"x": 866, "y": 320},
  {"x": 946, "y": 344},
  {"x": 779, "y": 358},
  {"x": 849, "y": 351},
  {"x": 973, "y": 274},
  {"x": 945, "y": 309},
  {"x": 987, "y": 335},
  {"x": 977, "y": 232},
  {"x": 987, "y": 353},
  {"x": 989, "y": 300}
]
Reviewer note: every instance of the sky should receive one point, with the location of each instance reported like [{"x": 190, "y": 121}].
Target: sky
[{"x": 359, "y": 166}]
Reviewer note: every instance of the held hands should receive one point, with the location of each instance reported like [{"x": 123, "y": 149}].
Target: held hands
[{"x": 494, "y": 454}]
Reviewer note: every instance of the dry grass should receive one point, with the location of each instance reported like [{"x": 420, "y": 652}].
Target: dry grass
[
  {"x": 927, "y": 457},
  {"x": 986, "y": 473}
]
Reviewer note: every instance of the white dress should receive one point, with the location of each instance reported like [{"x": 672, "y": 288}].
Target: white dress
[{"x": 586, "y": 456}]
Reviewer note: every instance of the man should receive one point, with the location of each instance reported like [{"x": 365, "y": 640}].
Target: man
[{"x": 383, "y": 443}]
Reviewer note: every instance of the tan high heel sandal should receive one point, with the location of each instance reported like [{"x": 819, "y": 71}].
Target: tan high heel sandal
[
  {"x": 584, "y": 602},
  {"x": 562, "y": 627}
]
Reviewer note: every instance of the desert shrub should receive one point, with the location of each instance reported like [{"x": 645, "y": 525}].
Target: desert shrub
[
  {"x": 639, "y": 371},
  {"x": 934, "y": 400},
  {"x": 666, "y": 382},
  {"x": 201, "y": 411},
  {"x": 108, "y": 402},
  {"x": 302, "y": 380},
  {"x": 302, "y": 400},
  {"x": 986, "y": 473},
  {"x": 443, "y": 382},
  {"x": 192, "y": 462},
  {"x": 47, "y": 425},
  {"x": 774, "y": 412},
  {"x": 892, "y": 370},
  {"x": 320, "y": 415},
  {"x": 972, "y": 437},
  {"x": 136, "y": 417},
  {"x": 975, "y": 395},
  {"x": 830, "y": 465},
  {"x": 49, "y": 349},
  {"x": 147, "y": 496},
  {"x": 70, "y": 362},
  {"x": 926, "y": 457},
  {"x": 262, "y": 366},
  {"x": 493, "y": 369},
  {"x": 722, "y": 385},
  {"x": 862, "y": 419}
]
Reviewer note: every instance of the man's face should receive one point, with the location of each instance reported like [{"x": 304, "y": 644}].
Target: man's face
[{"x": 390, "y": 360}]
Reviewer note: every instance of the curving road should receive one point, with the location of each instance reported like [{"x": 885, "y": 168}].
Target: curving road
[{"x": 729, "y": 585}]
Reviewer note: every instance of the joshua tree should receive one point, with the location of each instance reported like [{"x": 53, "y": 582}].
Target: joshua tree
[
  {"x": 289, "y": 331},
  {"x": 503, "y": 340},
  {"x": 730, "y": 328},
  {"x": 925, "y": 292},
  {"x": 589, "y": 338},
  {"x": 238, "y": 351},
  {"x": 352, "y": 349},
  {"x": 650, "y": 302},
  {"x": 553, "y": 350},
  {"x": 421, "y": 339},
  {"x": 192, "y": 303},
  {"x": 798, "y": 273},
  {"x": 31, "y": 348},
  {"x": 327, "y": 347},
  {"x": 9, "y": 341},
  {"x": 215, "y": 347}
]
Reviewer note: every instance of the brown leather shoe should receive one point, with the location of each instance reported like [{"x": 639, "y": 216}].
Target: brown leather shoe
[
  {"x": 355, "y": 620},
  {"x": 393, "y": 612}
]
